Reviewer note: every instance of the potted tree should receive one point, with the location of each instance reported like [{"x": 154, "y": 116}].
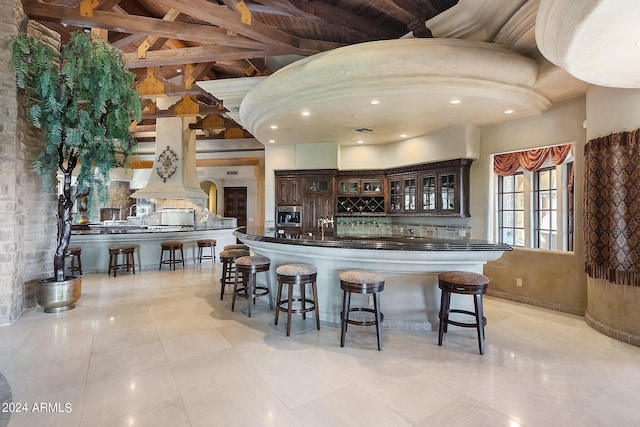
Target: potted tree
[{"x": 82, "y": 99}]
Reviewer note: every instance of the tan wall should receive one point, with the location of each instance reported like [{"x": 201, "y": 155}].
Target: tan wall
[{"x": 548, "y": 279}]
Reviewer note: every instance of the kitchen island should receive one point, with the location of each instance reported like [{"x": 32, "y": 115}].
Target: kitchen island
[
  {"x": 95, "y": 242},
  {"x": 411, "y": 298}
]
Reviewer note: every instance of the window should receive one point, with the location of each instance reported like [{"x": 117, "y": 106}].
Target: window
[
  {"x": 535, "y": 209},
  {"x": 511, "y": 209},
  {"x": 545, "y": 211}
]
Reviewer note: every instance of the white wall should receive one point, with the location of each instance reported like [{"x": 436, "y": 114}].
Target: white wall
[
  {"x": 611, "y": 110},
  {"x": 299, "y": 156},
  {"x": 446, "y": 144}
]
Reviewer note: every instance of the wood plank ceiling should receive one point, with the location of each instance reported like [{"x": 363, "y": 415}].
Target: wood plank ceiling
[{"x": 202, "y": 40}]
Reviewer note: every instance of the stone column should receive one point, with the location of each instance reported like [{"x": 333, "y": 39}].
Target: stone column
[{"x": 27, "y": 211}]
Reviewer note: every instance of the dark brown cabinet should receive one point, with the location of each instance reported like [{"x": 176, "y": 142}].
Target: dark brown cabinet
[
  {"x": 313, "y": 190},
  {"x": 432, "y": 189},
  {"x": 362, "y": 194},
  {"x": 288, "y": 191},
  {"x": 429, "y": 189},
  {"x": 402, "y": 193},
  {"x": 314, "y": 208}
]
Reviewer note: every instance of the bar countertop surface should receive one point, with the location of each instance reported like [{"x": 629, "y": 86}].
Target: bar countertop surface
[{"x": 400, "y": 243}]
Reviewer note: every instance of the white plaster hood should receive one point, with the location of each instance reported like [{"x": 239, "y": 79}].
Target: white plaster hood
[{"x": 174, "y": 174}]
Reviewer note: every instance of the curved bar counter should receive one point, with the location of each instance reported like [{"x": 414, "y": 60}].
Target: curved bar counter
[
  {"x": 410, "y": 265},
  {"x": 95, "y": 254}
]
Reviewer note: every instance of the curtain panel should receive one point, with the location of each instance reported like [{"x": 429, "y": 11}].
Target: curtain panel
[
  {"x": 531, "y": 160},
  {"x": 612, "y": 208}
]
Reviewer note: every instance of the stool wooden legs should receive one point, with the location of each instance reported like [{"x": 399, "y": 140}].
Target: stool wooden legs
[
  {"x": 478, "y": 314},
  {"x": 302, "y": 281},
  {"x": 250, "y": 286},
  {"x": 128, "y": 261},
  {"x": 346, "y": 309}
]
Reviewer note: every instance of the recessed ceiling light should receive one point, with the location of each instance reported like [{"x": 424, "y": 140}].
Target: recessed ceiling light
[
  {"x": 361, "y": 142},
  {"x": 306, "y": 113},
  {"x": 274, "y": 127},
  {"x": 403, "y": 135},
  {"x": 638, "y": 43},
  {"x": 179, "y": 70},
  {"x": 454, "y": 101},
  {"x": 374, "y": 102},
  {"x": 272, "y": 141},
  {"x": 508, "y": 111}
]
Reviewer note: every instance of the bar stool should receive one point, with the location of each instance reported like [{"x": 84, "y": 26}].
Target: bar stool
[
  {"x": 465, "y": 283},
  {"x": 74, "y": 252},
  {"x": 228, "y": 259},
  {"x": 171, "y": 246},
  {"x": 297, "y": 274},
  {"x": 361, "y": 282},
  {"x": 206, "y": 243},
  {"x": 236, "y": 246},
  {"x": 128, "y": 262},
  {"x": 249, "y": 266}
]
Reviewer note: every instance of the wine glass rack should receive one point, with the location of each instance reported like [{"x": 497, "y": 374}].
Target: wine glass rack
[{"x": 361, "y": 205}]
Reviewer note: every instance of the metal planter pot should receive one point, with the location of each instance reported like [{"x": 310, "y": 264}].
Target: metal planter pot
[{"x": 55, "y": 297}]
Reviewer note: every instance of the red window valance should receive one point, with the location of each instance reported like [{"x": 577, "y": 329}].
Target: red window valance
[{"x": 530, "y": 160}]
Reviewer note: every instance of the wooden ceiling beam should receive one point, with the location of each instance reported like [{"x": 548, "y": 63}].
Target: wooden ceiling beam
[
  {"x": 107, "y": 4},
  {"x": 198, "y": 54},
  {"x": 223, "y": 17},
  {"x": 138, "y": 24}
]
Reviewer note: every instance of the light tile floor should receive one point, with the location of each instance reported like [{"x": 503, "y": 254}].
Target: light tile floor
[{"x": 161, "y": 349}]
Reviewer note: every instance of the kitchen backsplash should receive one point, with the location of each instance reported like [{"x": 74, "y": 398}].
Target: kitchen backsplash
[{"x": 384, "y": 227}]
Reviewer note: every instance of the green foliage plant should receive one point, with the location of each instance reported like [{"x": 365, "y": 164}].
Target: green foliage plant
[{"x": 82, "y": 98}]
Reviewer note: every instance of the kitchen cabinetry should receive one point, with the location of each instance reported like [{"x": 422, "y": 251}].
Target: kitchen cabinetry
[
  {"x": 313, "y": 190},
  {"x": 361, "y": 195},
  {"x": 432, "y": 189},
  {"x": 402, "y": 193},
  {"x": 288, "y": 191}
]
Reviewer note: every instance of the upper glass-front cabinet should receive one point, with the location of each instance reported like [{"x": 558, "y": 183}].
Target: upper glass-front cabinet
[{"x": 318, "y": 185}]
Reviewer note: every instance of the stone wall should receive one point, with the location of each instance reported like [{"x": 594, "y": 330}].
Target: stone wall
[{"x": 27, "y": 211}]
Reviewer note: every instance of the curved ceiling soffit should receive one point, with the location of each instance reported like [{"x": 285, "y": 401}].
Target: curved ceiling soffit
[
  {"x": 593, "y": 40},
  {"x": 436, "y": 69}
]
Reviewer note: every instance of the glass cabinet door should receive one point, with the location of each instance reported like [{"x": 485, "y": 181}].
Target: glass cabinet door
[
  {"x": 395, "y": 195},
  {"x": 429, "y": 193},
  {"x": 409, "y": 185},
  {"x": 348, "y": 187},
  {"x": 372, "y": 186},
  {"x": 448, "y": 191},
  {"x": 318, "y": 185}
]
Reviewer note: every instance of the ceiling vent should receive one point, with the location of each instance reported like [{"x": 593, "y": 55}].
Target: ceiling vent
[
  {"x": 363, "y": 130},
  {"x": 232, "y": 172}
]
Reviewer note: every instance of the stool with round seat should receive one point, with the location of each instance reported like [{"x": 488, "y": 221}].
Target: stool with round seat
[
  {"x": 297, "y": 274},
  {"x": 361, "y": 282},
  {"x": 206, "y": 243},
  {"x": 228, "y": 259},
  {"x": 127, "y": 252},
  {"x": 465, "y": 283},
  {"x": 75, "y": 253},
  {"x": 172, "y": 247},
  {"x": 249, "y": 266},
  {"x": 236, "y": 246}
]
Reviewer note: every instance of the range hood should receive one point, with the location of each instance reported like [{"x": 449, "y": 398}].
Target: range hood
[{"x": 174, "y": 174}]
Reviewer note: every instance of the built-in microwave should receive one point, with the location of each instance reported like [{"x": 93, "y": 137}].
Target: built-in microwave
[{"x": 288, "y": 216}]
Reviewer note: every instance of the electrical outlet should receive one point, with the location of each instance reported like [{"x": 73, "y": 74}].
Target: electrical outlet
[
  {"x": 370, "y": 299},
  {"x": 519, "y": 282}
]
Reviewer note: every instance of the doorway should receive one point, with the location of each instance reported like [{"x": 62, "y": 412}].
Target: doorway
[{"x": 235, "y": 204}]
